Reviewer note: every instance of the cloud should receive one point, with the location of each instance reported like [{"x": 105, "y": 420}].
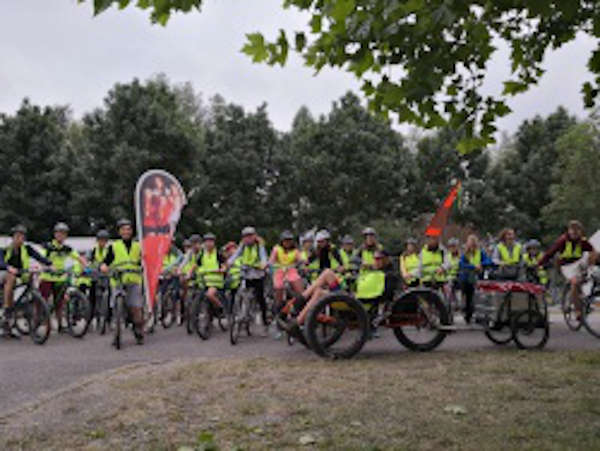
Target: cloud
[{"x": 57, "y": 53}]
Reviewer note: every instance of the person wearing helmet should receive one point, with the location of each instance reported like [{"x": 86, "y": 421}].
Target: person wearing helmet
[
  {"x": 284, "y": 257},
  {"x": 96, "y": 256},
  {"x": 126, "y": 253},
  {"x": 364, "y": 255},
  {"x": 347, "y": 251},
  {"x": 531, "y": 258},
  {"x": 211, "y": 267},
  {"x": 254, "y": 257},
  {"x": 14, "y": 259},
  {"x": 570, "y": 247},
  {"x": 170, "y": 273},
  {"x": 377, "y": 284},
  {"x": 409, "y": 263},
  {"x": 59, "y": 253},
  {"x": 324, "y": 253},
  {"x": 234, "y": 272}
]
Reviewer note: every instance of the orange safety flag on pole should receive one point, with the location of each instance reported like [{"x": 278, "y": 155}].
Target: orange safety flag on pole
[
  {"x": 440, "y": 219},
  {"x": 159, "y": 200}
]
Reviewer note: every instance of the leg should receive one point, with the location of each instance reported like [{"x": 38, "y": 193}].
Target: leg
[
  {"x": 326, "y": 278},
  {"x": 317, "y": 294},
  {"x": 469, "y": 291},
  {"x": 575, "y": 297},
  {"x": 135, "y": 302},
  {"x": 213, "y": 297},
  {"x": 9, "y": 288}
]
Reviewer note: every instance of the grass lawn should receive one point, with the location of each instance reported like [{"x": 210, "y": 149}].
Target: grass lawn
[{"x": 441, "y": 400}]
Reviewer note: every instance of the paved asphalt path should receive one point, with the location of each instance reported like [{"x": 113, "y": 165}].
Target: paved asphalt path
[{"x": 28, "y": 370}]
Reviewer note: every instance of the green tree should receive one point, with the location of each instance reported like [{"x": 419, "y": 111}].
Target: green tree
[
  {"x": 351, "y": 169},
  {"x": 523, "y": 175},
  {"x": 575, "y": 194},
  {"x": 239, "y": 168},
  {"x": 36, "y": 177},
  {"x": 441, "y": 48},
  {"x": 142, "y": 126}
]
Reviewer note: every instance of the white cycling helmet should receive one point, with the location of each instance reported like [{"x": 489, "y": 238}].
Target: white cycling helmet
[{"x": 323, "y": 235}]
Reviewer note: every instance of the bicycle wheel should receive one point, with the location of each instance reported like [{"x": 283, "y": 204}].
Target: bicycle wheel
[
  {"x": 167, "y": 316},
  {"x": 530, "y": 329},
  {"x": 416, "y": 317},
  {"x": 119, "y": 320},
  {"x": 79, "y": 313},
  {"x": 569, "y": 311},
  {"x": 21, "y": 318},
  {"x": 203, "y": 317},
  {"x": 591, "y": 314},
  {"x": 38, "y": 318},
  {"x": 347, "y": 326},
  {"x": 236, "y": 319},
  {"x": 102, "y": 310},
  {"x": 500, "y": 331}
]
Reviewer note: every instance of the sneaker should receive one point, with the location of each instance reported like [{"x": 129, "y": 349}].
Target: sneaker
[{"x": 139, "y": 338}]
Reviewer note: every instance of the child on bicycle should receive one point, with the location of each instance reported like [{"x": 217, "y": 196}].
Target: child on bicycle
[
  {"x": 14, "y": 259},
  {"x": 284, "y": 257}
]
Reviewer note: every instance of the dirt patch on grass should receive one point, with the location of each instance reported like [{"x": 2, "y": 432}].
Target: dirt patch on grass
[{"x": 476, "y": 400}]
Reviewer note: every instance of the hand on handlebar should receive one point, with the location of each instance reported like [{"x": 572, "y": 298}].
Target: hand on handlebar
[{"x": 104, "y": 268}]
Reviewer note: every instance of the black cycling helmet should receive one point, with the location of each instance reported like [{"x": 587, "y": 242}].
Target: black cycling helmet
[
  {"x": 102, "y": 235},
  {"x": 532, "y": 243},
  {"x": 19, "y": 228},
  {"x": 286, "y": 235},
  {"x": 61, "y": 227},
  {"x": 123, "y": 222}
]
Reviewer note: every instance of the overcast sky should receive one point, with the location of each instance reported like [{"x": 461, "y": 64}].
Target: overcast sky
[{"x": 56, "y": 52}]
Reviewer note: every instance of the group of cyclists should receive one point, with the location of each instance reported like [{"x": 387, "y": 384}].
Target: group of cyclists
[{"x": 305, "y": 270}]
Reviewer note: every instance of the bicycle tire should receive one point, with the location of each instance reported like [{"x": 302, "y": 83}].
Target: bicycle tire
[
  {"x": 593, "y": 327},
  {"x": 38, "y": 316},
  {"x": 167, "y": 315},
  {"x": 119, "y": 318},
  {"x": 346, "y": 314},
  {"x": 499, "y": 326},
  {"x": 203, "y": 317},
  {"x": 524, "y": 323},
  {"x": 420, "y": 296},
  {"x": 103, "y": 310},
  {"x": 21, "y": 320},
  {"x": 235, "y": 323},
  {"x": 567, "y": 309},
  {"x": 78, "y": 306}
]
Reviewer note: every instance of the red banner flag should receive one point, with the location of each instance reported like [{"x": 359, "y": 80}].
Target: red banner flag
[
  {"x": 159, "y": 199},
  {"x": 439, "y": 220}
]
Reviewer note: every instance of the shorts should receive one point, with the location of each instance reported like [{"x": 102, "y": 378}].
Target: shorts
[
  {"x": 335, "y": 286},
  {"x": 133, "y": 295},
  {"x": 278, "y": 278}
]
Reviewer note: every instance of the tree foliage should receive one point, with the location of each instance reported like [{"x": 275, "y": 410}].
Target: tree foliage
[
  {"x": 344, "y": 170},
  {"x": 440, "y": 47}
]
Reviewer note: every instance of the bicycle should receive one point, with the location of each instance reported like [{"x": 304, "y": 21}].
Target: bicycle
[
  {"x": 204, "y": 311},
  {"x": 167, "y": 299},
  {"x": 77, "y": 308},
  {"x": 415, "y": 316},
  {"x": 244, "y": 306},
  {"x": 120, "y": 313},
  {"x": 30, "y": 311},
  {"x": 101, "y": 312},
  {"x": 590, "y": 308}
]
